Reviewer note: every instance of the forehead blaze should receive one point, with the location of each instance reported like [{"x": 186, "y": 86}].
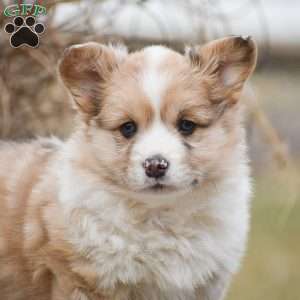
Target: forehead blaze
[
  {"x": 156, "y": 83},
  {"x": 155, "y": 75},
  {"x": 169, "y": 85}
]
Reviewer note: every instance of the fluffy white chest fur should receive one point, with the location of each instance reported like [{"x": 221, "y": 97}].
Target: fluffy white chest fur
[{"x": 170, "y": 250}]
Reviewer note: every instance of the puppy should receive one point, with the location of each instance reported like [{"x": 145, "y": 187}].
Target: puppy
[{"x": 148, "y": 198}]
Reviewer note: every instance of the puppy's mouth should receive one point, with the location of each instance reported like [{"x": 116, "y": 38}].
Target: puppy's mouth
[{"x": 159, "y": 187}]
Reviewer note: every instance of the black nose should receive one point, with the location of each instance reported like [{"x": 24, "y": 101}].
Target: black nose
[{"x": 156, "y": 166}]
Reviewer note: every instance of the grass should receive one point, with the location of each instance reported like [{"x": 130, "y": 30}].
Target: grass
[{"x": 271, "y": 269}]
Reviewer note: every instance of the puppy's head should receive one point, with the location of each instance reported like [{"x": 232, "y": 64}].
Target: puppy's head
[{"x": 158, "y": 122}]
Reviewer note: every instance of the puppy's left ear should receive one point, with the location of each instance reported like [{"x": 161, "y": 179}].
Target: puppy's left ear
[{"x": 224, "y": 65}]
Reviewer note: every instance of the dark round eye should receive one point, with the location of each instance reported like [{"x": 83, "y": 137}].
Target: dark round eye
[
  {"x": 186, "y": 127},
  {"x": 128, "y": 129}
]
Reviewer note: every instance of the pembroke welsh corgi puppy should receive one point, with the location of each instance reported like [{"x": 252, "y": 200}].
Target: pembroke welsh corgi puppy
[{"x": 148, "y": 198}]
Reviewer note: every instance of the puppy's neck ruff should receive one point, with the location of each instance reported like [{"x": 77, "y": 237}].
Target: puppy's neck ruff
[{"x": 139, "y": 237}]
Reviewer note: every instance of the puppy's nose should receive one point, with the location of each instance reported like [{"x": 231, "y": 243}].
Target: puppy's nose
[{"x": 156, "y": 166}]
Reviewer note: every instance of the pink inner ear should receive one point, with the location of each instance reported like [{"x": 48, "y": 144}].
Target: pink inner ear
[{"x": 231, "y": 74}]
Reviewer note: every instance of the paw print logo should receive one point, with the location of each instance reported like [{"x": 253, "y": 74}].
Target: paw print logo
[{"x": 24, "y": 32}]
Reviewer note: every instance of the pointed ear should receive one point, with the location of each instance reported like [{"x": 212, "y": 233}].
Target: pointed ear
[
  {"x": 85, "y": 69},
  {"x": 225, "y": 65}
]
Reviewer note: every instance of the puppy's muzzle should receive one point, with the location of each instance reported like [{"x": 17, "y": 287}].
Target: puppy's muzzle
[{"x": 156, "y": 166}]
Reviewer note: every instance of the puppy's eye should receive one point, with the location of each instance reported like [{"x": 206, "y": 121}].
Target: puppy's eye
[
  {"x": 128, "y": 129},
  {"x": 186, "y": 127}
]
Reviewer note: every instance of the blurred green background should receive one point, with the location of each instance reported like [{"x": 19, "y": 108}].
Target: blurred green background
[
  {"x": 33, "y": 102},
  {"x": 271, "y": 268},
  {"x": 271, "y": 265}
]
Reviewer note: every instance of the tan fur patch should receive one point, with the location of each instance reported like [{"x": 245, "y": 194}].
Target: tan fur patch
[
  {"x": 126, "y": 101},
  {"x": 225, "y": 64},
  {"x": 85, "y": 70}
]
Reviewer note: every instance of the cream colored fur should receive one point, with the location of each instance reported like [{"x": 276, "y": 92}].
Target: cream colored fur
[{"x": 80, "y": 220}]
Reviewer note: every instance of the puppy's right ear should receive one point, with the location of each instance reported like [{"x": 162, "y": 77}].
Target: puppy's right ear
[{"x": 85, "y": 69}]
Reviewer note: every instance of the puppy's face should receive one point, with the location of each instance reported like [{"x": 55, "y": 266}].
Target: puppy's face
[{"x": 159, "y": 122}]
